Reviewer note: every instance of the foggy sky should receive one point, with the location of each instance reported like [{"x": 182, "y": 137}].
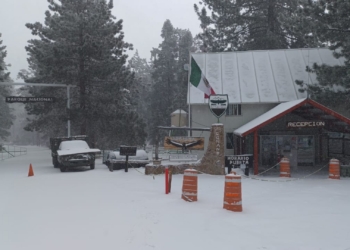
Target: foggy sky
[{"x": 142, "y": 24}]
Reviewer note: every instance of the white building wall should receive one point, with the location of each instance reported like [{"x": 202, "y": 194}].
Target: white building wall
[{"x": 203, "y": 118}]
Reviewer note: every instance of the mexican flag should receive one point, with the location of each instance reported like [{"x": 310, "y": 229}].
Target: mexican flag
[{"x": 198, "y": 79}]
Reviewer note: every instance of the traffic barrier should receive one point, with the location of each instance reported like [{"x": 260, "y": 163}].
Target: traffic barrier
[
  {"x": 284, "y": 167},
  {"x": 334, "y": 169},
  {"x": 31, "y": 172},
  {"x": 233, "y": 192},
  {"x": 190, "y": 185}
]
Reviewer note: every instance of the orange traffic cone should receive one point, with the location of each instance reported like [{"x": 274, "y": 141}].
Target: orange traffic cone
[{"x": 31, "y": 172}]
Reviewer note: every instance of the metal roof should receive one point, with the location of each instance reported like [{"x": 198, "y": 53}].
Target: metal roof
[{"x": 260, "y": 76}]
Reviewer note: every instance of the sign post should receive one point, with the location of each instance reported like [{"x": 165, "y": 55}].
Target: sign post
[
  {"x": 218, "y": 105},
  {"x": 127, "y": 151},
  {"x": 44, "y": 85}
]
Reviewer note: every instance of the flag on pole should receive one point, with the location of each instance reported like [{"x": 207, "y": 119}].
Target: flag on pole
[{"x": 198, "y": 79}]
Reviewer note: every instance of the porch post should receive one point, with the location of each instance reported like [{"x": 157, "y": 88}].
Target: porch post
[{"x": 256, "y": 153}]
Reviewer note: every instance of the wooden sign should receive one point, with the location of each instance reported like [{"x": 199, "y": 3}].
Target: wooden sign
[
  {"x": 127, "y": 150},
  {"x": 22, "y": 99},
  {"x": 183, "y": 143},
  {"x": 305, "y": 124}
]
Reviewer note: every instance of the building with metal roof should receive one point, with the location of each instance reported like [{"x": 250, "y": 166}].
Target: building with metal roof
[{"x": 267, "y": 115}]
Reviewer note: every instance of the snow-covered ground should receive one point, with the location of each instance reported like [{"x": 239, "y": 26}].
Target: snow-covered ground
[{"x": 99, "y": 209}]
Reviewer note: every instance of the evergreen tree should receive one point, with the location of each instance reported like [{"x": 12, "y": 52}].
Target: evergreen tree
[
  {"x": 80, "y": 44},
  {"x": 333, "y": 30},
  {"x": 6, "y": 116},
  {"x": 169, "y": 90},
  {"x": 142, "y": 89},
  {"x": 247, "y": 25}
]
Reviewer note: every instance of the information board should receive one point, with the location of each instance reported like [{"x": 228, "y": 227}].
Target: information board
[
  {"x": 127, "y": 150},
  {"x": 235, "y": 161}
]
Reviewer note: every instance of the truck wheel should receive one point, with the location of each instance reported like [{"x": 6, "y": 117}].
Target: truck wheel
[
  {"x": 62, "y": 168},
  {"x": 92, "y": 166}
]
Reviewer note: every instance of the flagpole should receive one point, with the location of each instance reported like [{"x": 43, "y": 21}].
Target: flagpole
[{"x": 189, "y": 93}]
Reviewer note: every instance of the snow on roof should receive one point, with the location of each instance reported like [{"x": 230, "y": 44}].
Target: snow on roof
[
  {"x": 179, "y": 111},
  {"x": 267, "y": 116},
  {"x": 260, "y": 76}
]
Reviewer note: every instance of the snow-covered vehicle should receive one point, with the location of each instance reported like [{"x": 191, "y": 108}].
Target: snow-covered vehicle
[
  {"x": 116, "y": 161},
  {"x": 76, "y": 153},
  {"x": 55, "y": 143}
]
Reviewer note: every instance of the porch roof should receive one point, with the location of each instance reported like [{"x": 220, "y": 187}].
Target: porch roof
[{"x": 305, "y": 108}]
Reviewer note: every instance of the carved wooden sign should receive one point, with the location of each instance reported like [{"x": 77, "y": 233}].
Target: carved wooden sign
[{"x": 183, "y": 143}]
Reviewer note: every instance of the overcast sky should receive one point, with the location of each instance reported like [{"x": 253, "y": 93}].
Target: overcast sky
[{"x": 143, "y": 21}]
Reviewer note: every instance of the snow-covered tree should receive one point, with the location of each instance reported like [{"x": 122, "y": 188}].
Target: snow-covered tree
[
  {"x": 6, "y": 116},
  {"x": 247, "y": 24},
  {"x": 81, "y": 44}
]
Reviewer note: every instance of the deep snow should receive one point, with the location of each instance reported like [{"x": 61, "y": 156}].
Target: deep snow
[{"x": 99, "y": 209}]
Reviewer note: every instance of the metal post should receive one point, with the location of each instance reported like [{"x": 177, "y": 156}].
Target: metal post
[
  {"x": 68, "y": 109},
  {"x": 166, "y": 180},
  {"x": 256, "y": 153}
]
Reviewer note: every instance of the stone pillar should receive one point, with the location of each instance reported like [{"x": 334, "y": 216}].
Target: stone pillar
[{"x": 213, "y": 161}]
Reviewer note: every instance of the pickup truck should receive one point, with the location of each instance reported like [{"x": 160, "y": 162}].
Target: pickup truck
[{"x": 72, "y": 152}]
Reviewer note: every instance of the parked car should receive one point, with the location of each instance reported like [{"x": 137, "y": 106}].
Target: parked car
[
  {"x": 56, "y": 141},
  {"x": 116, "y": 161},
  {"x": 76, "y": 153}
]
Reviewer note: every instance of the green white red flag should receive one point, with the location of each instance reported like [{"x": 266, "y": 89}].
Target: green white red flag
[{"x": 198, "y": 79}]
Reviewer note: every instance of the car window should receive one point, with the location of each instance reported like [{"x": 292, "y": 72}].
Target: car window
[{"x": 66, "y": 145}]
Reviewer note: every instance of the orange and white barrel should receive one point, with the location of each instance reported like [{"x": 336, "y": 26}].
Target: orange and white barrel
[
  {"x": 190, "y": 185},
  {"x": 334, "y": 169},
  {"x": 284, "y": 167},
  {"x": 233, "y": 192}
]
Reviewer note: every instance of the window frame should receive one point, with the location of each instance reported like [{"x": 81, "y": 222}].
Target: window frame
[{"x": 234, "y": 109}]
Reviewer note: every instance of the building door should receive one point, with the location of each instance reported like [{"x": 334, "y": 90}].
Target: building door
[
  {"x": 306, "y": 150},
  {"x": 268, "y": 156}
]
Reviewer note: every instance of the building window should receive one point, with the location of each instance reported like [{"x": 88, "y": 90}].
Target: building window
[
  {"x": 234, "y": 109},
  {"x": 229, "y": 140}
]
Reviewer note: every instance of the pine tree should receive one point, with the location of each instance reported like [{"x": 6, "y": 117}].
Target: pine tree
[
  {"x": 333, "y": 30},
  {"x": 6, "y": 116},
  {"x": 143, "y": 84},
  {"x": 80, "y": 44},
  {"x": 169, "y": 76},
  {"x": 247, "y": 25}
]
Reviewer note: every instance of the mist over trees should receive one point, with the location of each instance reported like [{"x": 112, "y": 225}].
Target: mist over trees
[
  {"x": 169, "y": 89},
  {"x": 119, "y": 100},
  {"x": 283, "y": 24},
  {"x": 330, "y": 26},
  {"x": 6, "y": 116},
  {"x": 247, "y": 25}
]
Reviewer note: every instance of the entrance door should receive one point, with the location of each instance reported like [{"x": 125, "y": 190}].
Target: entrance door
[
  {"x": 306, "y": 150},
  {"x": 268, "y": 150}
]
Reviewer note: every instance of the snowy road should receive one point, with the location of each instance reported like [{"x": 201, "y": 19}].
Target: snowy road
[{"x": 98, "y": 209}]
